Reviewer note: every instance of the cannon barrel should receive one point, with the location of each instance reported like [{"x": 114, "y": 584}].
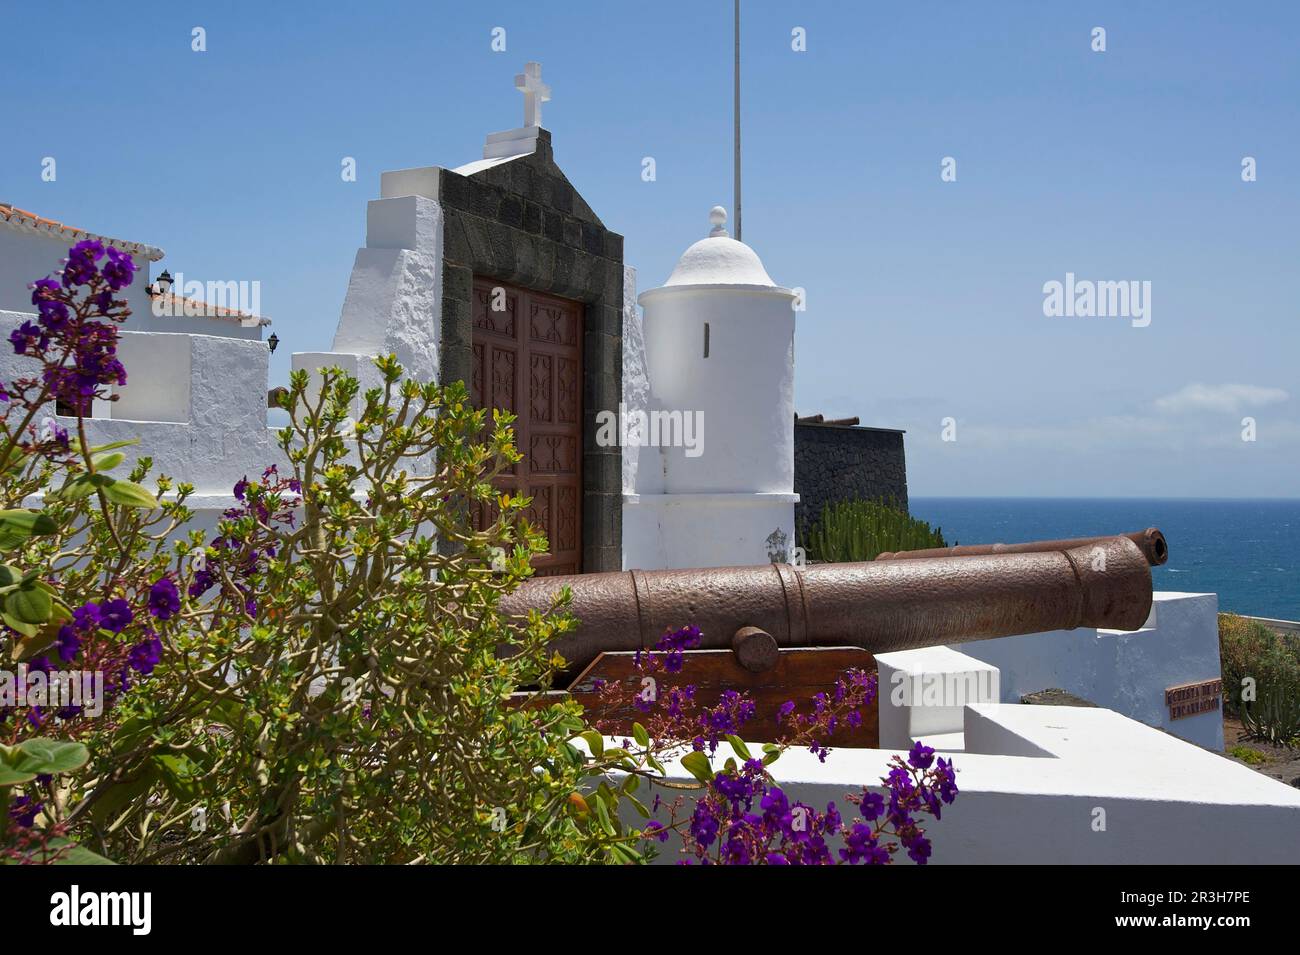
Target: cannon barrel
[
  {"x": 877, "y": 606},
  {"x": 1150, "y": 541}
]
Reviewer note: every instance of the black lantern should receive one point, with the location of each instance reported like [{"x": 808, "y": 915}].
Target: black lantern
[
  {"x": 165, "y": 282},
  {"x": 272, "y": 342}
]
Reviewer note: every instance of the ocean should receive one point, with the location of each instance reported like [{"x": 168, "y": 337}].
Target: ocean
[{"x": 1248, "y": 552}]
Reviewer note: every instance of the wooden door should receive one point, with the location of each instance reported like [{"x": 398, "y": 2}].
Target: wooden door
[{"x": 528, "y": 360}]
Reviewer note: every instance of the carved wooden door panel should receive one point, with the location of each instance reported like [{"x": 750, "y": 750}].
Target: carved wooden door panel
[{"x": 528, "y": 360}]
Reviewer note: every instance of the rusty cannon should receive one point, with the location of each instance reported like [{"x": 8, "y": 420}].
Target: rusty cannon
[
  {"x": 1150, "y": 541},
  {"x": 777, "y": 630}
]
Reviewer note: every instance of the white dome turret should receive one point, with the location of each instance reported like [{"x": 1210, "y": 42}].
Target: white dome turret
[
  {"x": 719, "y": 338},
  {"x": 719, "y": 260}
]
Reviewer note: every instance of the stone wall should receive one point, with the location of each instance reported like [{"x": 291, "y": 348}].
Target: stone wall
[{"x": 840, "y": 462}]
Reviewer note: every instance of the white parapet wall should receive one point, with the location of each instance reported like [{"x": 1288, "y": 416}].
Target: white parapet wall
[
  {"x": 923, "y": 694},
  {"x": 196, "y": 404},
  {"x": 1126, "y": 671},
  {"x": 1068, "y": 785}
]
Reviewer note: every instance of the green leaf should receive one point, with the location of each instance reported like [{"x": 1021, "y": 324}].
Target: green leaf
[
  {"x": 9, "y": 575},
  {"x": 107, "y": 461},
  {"x": 51, "y": 756},
  {"x": 179, "y": 776},
  {"x": 28, "y": 630},
  {"x": 83, "y": 485},
  {"x": 624, "y": 854},
  {"x": 638, "y": 805},
  {"x": 9, "y": 776},
  {"x": 30, "y": 605},
  {"x": 14, "y": 462},
  {"x": 595, "y": 742},
  {"x": 640, "y": 735},
  {"x": 113, "y": 445},
  {"x": 31, "y": 645},
  {"x": 739, "y": 746},
  {"x": 129, "y": 494},
  {"x": 602, "y": 816},
  {"x": 697, "y": 764},
  {"x": 78, "y": 855},
  {"x": 17, "y": 526}
]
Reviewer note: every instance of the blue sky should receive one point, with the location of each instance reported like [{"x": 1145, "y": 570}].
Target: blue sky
[{"x": 925, "y": 297}]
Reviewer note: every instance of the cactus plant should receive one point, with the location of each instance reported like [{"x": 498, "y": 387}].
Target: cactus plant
[{"x": 861, "y": 529}]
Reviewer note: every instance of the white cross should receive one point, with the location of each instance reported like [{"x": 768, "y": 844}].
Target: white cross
[{"x": 529, "y": 82}]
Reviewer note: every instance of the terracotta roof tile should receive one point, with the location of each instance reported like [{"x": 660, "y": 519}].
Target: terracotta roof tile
[
  {"x": 181, "y": 306},
  {"x": 17, "y": 218}
]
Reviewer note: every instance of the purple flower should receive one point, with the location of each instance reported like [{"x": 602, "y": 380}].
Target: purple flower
[
  {"x": 736, "y": 852},
  {"x": 44, "y": 289},
  {"x": 873, "y": 805},
  {"x": 241, "y": 487},
  {"x": 704, "y": 824},
  {"x": 775, "y": 805},
  {"x": 859, "y": 843},
  {"x": 144, "y": 656},
  {"x": 27, "y": 336},
  {"x": 164, "y": 601},
  {"x": 947, "y": 780},
  {"x": 23, "y": 811},
  {"x": 69, "y": 643},
  {"x": 921, "y": 755},
  {"x": 53, "y": 315},
  {"x": 918, "y": 848},
  {"x": 119, "y": 269},
  {"x": 81, "y": 269},
  {"x": 115, "y": 615},
  {"x": 87, "y": 617},
  {"x": 203, "y": 582}
]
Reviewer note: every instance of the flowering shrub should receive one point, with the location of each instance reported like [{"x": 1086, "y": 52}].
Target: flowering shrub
[
  {"x": 742, "y": 816},
  {"x": 314, "y": 680},
  {"x": 325, "y": 675}
]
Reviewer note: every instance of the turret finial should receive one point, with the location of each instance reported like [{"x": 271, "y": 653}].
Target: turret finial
[{"x": 718, "y": 218}]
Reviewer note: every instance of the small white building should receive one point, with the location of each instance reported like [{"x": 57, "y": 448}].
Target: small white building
[
  {"x": 33, "y": 246},
  {"x": 713, "y": 403}
]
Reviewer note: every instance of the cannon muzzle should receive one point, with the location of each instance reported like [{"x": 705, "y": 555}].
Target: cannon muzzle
[
  {"x": 877, "y": 606},
  {"x": 1150, "y": 541}
]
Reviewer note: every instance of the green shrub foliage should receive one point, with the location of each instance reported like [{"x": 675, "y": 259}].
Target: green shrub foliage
[
  {"x": 861, "y": 530},
  {"x": 1261, "y": 678}
]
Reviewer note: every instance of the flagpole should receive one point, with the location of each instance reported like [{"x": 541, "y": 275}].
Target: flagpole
[{"x": 736, "y": 119}]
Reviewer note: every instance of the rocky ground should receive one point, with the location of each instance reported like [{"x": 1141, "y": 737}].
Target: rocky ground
[{"x": 1276, "y": 761}]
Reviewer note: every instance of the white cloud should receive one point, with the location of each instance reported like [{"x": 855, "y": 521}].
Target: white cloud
[{"x": 1228, "y": 399}]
